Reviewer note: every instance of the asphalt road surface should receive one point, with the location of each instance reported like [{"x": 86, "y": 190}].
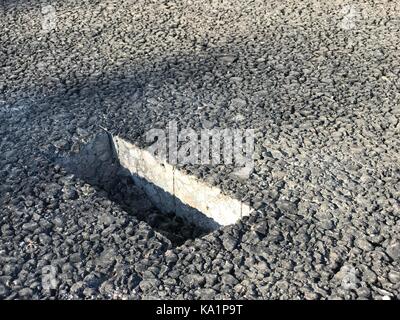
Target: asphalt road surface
[{"x": 318, "y": 81}]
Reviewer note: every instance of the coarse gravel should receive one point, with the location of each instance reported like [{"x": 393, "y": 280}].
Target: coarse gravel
[{"x": 319, "y": 83}]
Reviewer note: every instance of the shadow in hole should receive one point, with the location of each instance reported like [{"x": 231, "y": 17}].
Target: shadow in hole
[
  {"x": 97, "y": 165},
  {"x": 168, "y": 203}
]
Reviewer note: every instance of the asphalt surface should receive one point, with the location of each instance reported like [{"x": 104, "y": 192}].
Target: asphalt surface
[{"x": 319, "y": 84}]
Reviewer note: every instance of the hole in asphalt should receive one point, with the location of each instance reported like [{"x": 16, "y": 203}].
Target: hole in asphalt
[{"x": 97, "y": 164}]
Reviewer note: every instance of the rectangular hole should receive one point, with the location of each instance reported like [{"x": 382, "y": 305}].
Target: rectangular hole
[{"x": 174, "y": 204}]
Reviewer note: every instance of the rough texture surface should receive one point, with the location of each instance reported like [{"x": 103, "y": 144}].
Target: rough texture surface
[
  {"x": 317, "y": 80},
  {"x": 173, "y": 191}
]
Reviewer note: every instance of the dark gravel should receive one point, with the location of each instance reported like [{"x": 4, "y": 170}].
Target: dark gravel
[{"x": 319, "y": 83}]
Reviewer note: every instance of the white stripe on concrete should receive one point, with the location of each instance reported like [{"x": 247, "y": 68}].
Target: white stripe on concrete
[{"x": 188, "y": 189}]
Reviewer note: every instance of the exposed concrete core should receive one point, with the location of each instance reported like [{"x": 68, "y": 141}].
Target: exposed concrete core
[
  {"x": 174, "y": 191},
  {"x": 97, "y": 164}
]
